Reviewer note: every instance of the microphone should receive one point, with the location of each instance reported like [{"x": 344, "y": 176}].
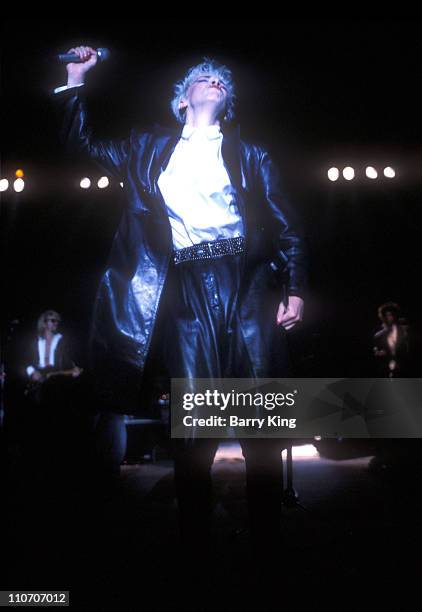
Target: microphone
[{"x": 67, "y": 58}]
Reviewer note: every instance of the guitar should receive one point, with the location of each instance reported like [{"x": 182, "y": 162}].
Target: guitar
[{"x": 47, "y": 373}]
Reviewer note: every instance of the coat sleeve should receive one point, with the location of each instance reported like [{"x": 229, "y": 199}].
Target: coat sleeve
[
  {"x": 290, "y": 249},
  {"x": 30, "y": 349},
  {"x": 76, "y": 133}
]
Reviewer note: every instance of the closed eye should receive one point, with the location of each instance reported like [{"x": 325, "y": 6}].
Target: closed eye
[{"x": 206, "y": 80}]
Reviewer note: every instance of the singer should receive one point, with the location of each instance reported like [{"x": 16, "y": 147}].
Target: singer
[{"x": 190, "y": 281}]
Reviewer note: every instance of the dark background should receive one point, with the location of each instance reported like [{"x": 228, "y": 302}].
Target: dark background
[{"x": 317, "y": 92}]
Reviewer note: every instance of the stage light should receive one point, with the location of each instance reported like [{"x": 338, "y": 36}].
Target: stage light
[
  {"x": 4, "y": 185},
  {"x": 389, "y": 172},
  {"x": 348, "y": 173},
  {"x": 19, "y": 173},
  {"x": 333, "y": 174},
  {"x": 85, "y": 183},
  {"x": 307, "y": 451},
  {"x": 19, "y": 185},
  {"x": 231, "y": 451},
  {"x": 121, "y": 185},
  {"x": 103, "y": 182},
  {"x": 371, "y": 173}
]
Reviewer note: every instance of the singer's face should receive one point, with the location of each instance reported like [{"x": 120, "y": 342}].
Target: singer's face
[
  {"x": 389, "y": 318},
  {"x": 205, "y": 90},
  {"x": 52, "y": 324}
]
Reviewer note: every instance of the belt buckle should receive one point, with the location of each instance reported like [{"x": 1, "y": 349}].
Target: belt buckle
[
  {"x": 202, "y": 251},
  {"x": 214, "y": 248}
]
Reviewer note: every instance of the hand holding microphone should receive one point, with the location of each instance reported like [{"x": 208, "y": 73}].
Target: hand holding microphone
[{"x": 79, "y": 60}]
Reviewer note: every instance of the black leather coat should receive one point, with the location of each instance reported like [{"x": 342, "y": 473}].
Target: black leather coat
[{"x": 129, "y": 294}]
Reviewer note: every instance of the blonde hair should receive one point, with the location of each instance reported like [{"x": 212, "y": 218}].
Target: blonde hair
[
  {"x": 208, "y": 66},
  {"x": 42, "y": 320}
]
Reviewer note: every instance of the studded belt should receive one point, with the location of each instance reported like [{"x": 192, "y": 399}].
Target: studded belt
[{"x": 211, "y": 250}]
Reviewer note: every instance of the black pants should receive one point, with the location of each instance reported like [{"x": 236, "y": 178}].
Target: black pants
[{"x": 200, "y": 337}]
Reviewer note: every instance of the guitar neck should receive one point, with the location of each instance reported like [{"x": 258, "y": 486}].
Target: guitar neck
[{"x": 60, "y": 373}]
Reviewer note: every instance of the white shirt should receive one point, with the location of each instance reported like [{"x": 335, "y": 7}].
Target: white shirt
[
  {"x": 64, "y": 87},
  {"x": 392, "y": 339},
  {"x": 41, "y": 353},
  {"x": 197, "y": 190}
]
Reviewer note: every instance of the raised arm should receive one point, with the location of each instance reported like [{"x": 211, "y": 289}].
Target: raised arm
[{"x": 75, "y": 132}]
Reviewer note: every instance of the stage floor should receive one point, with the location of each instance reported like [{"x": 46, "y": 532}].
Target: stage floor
[{"x": 355, "y": 531}]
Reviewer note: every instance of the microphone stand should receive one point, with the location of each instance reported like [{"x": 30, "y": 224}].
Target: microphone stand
[
  {"x": 290, "y": 497},
  {"x": 7, "y": 336}
]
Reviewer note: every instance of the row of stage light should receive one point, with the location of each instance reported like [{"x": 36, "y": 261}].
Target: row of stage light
[
  {"x": 18, "y": 183},
  {"x": 334, "y": 174},
  {"x": 85, "y": 183},
  {"x": 102, "y": 183},
  {"x": 349, "y": 173}
]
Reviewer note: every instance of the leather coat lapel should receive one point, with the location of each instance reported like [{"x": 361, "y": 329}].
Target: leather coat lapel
[
  {"x": 231, "y": 156},
  {"x": 165, "y": 143}
]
